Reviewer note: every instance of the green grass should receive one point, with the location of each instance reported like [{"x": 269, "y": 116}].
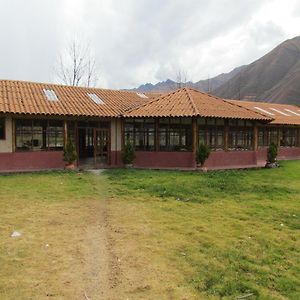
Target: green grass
[
  {"x": 227, "y": 233},
  {"x": 177, "y": 235}
]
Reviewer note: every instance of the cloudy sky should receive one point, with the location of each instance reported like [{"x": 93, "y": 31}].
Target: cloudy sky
[{"x": 139, "y": 41}]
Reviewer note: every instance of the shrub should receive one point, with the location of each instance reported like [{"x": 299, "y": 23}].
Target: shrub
[
  {"x": 202, "y": 154},
  {"x": 128, "y": 153},
  {"x": 272, "y": 153},
  {"x": 70, "y": 154}
]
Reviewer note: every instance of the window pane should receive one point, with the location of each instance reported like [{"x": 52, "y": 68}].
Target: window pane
[
  {"x": 37, "y": 135},
  {"x": 211, "y": 121},
  {"x": 2, "y": 128},
  {"x": 201, "y": 121}
]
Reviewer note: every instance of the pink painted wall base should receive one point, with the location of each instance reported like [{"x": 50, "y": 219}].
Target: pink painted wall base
[{"x": 31, "y": 161}]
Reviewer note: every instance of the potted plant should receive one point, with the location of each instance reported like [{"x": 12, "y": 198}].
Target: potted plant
[
  {"x": 272, "y": 156},
  {"x": 70, "y": 155},
  {"x": 128, "y": 155},
  {"x": 202, "y": 155}
]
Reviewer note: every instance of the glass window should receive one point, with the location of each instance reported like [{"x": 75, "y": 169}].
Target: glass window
[
  {"x": 240, "y": 136},
  {"x": 267, "y": 135},
  {"x": 211, "y": 133},
  {"x": 2, "y": 128},
  {"x": 71, "y": 131},
  {"x": 141, "y": 133},
  {"x": 175, "y": 134},
  {"x": 289, "y": 137},
  {"x": 38, "y": 135}
]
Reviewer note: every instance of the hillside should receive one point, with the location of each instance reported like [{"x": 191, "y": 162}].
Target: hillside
[
  {"x": 275, "y": 77},
  {"x": 205, "y": 85}
]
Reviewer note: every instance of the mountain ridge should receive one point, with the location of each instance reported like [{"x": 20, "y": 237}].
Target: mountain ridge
[{"x": 274, "y": 77}]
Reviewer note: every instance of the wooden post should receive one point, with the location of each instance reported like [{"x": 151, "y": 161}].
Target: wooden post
[
  {"x": 122, "y": 134},
  {"x": 65, "y": 133},
  {"x": 255, "y": 137},
  {"x": 156, "y": 134},
  {"x": 13, "y": 124},
  {"x": 279, "y": 134},
  {"x": 298, "y": 137},
  {"x": 195, "y": 136},
  {"x": 226, "y": 134}
]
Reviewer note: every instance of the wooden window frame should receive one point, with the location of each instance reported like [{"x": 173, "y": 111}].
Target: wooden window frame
[
  {"x": 143, "y": 131},
  {"x": 45, "y": 133},
  {"x": 267, "y": 138},
  {"x": 183, "y": 130},
  {"x": 246, "y": 132},
  {"x": 283, "y": 136},
  {"x": 212, "y": 131}
]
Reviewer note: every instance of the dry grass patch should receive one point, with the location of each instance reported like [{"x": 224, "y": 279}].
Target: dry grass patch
[{"x": 53, "y": 212}]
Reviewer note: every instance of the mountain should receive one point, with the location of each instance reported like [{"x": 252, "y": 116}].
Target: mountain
[
  {"x": 275, "y": 77},
  {"x": 204, "y": 85}
]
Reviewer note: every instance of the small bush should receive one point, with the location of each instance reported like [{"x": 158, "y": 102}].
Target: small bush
[
  {"x": 202, "y": 154},
  {"x": 272, "y": 153},
  {"x": 128, "y": 153},
  {"x": 70, "y": 154}
]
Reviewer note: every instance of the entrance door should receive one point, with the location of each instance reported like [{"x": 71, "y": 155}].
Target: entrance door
[{"x": 101, "y": 147}]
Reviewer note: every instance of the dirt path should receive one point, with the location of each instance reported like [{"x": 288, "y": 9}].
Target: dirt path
[{"x": 101, "y": 266}]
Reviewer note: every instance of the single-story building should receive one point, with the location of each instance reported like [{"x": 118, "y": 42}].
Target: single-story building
[{"x": 37, "y": 119}]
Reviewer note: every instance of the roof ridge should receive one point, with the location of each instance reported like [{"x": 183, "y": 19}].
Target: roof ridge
[
  {"x": 150, "y": 102},
  {"x": 228, "y": 102},
  {"x": 68, "y": 86},
  {"x": 192, "y": 101}
]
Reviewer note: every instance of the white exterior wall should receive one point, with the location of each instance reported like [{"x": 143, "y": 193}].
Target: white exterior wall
[
  {"x": 6, "y": 145},
  {"x": 116, "y": 134}
]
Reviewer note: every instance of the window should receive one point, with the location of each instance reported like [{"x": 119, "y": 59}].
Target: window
[
  {"x": 175, "y": 134},
  {"x": 141, "y": 95},
  {"x": 211, "y": 133},
  {"x": 38, "y": 135},
  {"x": 95, "y": 98},
  {"x": 267, "y": 136},
  {"x": 289, "y": 137},
  {"x": 2, "y": 129},
  {"x": 50, "y": 95},
  {"x": 240, "y": 135},
  {"x": 141, "y": 133}
]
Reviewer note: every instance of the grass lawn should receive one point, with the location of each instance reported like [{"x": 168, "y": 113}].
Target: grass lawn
[
  {"x": 212, "y": 235},
  {"x": 54, "y": 213},
  {"x": 166, "y": 234}
]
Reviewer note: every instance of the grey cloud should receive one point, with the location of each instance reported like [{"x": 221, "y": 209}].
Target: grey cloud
[{"x": 135, "y": 41}]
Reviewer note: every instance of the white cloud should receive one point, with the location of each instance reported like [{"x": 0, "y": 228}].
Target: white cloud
[{"x": 138, "y": 41}]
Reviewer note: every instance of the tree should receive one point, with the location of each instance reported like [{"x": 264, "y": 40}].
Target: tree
[
  {"x": 181, "y": 78},
  {"x": 77, "y": 66},
  {"x": 202, "y": 154},
  {"x": 70, "y": 154}
]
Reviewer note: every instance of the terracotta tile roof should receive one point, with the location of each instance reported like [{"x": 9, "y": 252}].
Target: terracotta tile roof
[
  {"x": 281, "y": 113},
  {"x": 188, "y": 102},
  {"x": 29, "y": 98}
]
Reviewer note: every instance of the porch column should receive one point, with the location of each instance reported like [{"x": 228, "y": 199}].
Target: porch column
[
  {"x": 298, "y": 142},
  {"x": 226, "y": 133},
  {"x": 255, "y": 137},
  {"x": 13, "y": 124},
  {"x": 279, "y": 134},
  {"x": 65, "y": 133},
  {"x": 194, "y": 136}
]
